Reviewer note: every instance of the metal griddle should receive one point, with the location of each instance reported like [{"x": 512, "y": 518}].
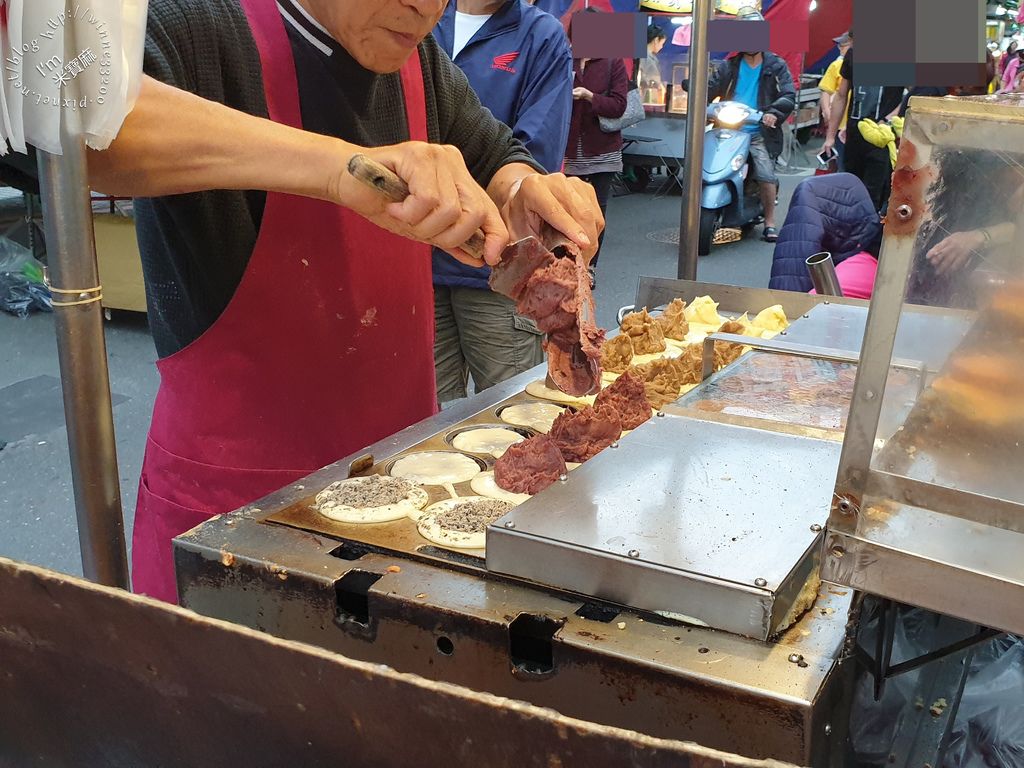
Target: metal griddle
[{"x": 560, "y": 614}]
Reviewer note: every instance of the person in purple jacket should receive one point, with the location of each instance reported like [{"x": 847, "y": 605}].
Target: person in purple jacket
[
  {"x": 600, "y": 88},
  {"x": 517, "y": 59}
]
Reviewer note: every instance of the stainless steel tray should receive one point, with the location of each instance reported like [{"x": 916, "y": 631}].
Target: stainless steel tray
[{"x": 711, "y": 521}]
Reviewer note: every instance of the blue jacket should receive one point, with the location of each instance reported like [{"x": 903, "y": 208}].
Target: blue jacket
[
  {"x": 520, "y": 66},
  {"x": 831, "y": 213}
]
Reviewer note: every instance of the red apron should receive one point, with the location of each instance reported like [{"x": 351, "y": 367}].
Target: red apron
[{"x": 326, "y": 347}]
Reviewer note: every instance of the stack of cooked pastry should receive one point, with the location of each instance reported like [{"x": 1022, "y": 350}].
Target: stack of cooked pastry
[{"x": 666, "y": 352}]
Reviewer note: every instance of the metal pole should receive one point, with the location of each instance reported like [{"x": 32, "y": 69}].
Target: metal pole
[
  {"x": 693, "y": 153},
  {"x": 823, "y": 274},
  {"x": 74, "y": 279}
]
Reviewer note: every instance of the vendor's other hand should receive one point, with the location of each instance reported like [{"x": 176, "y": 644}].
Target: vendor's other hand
[
  {"x": 828, "y": 146},
  {"x": 955, "y": 251},
  {"x": 565, "y": 203},
  {"x": 769, "y": 120},
  {"x": 445, "y": 205},
  {"x": 582, "y": 93}
]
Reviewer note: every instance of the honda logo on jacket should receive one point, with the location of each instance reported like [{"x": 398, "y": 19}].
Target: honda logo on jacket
[{"x": 504, "y": 62}]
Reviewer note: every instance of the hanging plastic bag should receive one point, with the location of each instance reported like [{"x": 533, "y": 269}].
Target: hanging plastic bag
[
  {"x": 80, "y": 64},
  {"x": 874, "y": 725},
  {"x": 40, "y": 70},
  {"x": 989, "y": 727},
  {"x": 129, "y": 74},
  {"x": 6, "y": 127},
  {"x": 111, "y": 35}
]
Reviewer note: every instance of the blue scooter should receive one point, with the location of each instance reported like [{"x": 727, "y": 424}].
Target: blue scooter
[{"x": 729, "y": 196}]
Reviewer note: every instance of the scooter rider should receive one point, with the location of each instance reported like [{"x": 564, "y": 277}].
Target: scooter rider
[{"x": 762, "y": 81}]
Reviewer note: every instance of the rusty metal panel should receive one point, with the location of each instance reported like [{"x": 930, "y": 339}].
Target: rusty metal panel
[
  {"x": 660, "y": 678},
  {"x": 91, "y": 676}
]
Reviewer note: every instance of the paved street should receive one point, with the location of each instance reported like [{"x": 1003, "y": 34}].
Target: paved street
[{"x": 37, "y": 516}]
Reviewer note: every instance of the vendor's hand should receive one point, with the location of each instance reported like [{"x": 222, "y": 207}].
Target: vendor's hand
[
  {"x": 769, "y": 120},
  {"x": 567, "y": 204},
  {"x": 445, "y": 205},
  {"x": 842, "y": 135},
  {"x": 955, "y": 251},
  {"x": 582, "y": 93},
  {"x": 828, "y": 146}
]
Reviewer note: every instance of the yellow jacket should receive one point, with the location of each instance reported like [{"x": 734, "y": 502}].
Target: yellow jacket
[
  {"x": 830, "y": 84},
  {"x": 882, "y": 134}
]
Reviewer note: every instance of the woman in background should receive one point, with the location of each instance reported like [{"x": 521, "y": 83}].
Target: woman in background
[
  {"x": 651, "y": 84},
  {"x": 1004, "y": 60},
  {"x": 1010, "y": 72},
  {"x": 599, "y": 90}
]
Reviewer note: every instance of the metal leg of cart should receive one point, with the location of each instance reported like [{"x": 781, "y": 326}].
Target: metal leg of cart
[{"x": 73, "y": 277}]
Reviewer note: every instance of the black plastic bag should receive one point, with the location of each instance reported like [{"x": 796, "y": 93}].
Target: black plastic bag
[
  {"x": 21, "y": 280},
  {"x": 19, "y": 295}
]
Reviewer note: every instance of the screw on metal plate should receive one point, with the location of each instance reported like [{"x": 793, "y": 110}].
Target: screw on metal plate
[
  {"x": 759, "y": 582},
  {"x": 942, "y": 127},
  {"x": 615, "y": 444},
  {"x": 904, "y": 212},
  {"x": 782, "y": 333},
  {"x": 634, "y": 553},
  {"x": 825, "y": 302},
  {"x": 838, "y": 551},
  {"x": 660, "y": 414},
  {"x": 816, "y": 528},
  {"x": 795, "y": 658},
  {"x": 869, "y": 395},
  {"x": 563, "y": 478},
  {"x": 845, "y": 507},
  {"x": 805, "y": 316},
  {"x": 828, "y": 729},
  {"x": 509, "y": 524}
]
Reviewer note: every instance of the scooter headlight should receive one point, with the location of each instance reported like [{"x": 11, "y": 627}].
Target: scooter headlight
[
  {"x": 738, "y": 161},
  {"x": 733, "y": 115}
]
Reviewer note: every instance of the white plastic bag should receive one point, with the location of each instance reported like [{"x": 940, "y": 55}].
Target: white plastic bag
[
  {"x": 41, "y": 68},
  {"x": 77, "y": 63}
]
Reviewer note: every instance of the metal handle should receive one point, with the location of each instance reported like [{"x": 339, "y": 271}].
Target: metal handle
[
  {"x": 796, "y": 350},
  {"x": 384, "y": 180}
]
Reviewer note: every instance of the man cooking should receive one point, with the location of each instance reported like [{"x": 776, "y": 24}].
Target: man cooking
[{"x": 291, "y": 308}]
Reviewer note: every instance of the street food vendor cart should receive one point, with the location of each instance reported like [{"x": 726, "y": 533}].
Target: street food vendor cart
[
  {"x": 667, "y": 590},
  {"x": 669, "y": 585}
]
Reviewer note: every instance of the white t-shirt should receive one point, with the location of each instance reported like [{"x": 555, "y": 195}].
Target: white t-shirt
[{"x": 466, "y": 25}]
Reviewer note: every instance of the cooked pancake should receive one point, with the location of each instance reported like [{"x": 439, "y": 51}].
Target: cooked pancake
[
  {"x": 373, "y": 499},
  {"x": 539, "y": 389},
  {"x": 484, "y": 485},
  {"x": 436, "y": 468},
  {"x": 461, "y": 523},
  {"x": 535, "y": 416},
  {"x": 490, "y": 441}
]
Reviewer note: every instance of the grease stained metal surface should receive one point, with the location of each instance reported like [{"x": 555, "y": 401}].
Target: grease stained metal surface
[
  {"x": 722, "y": 524},
  {"x": 659, "y": 677},
  {"x": 937, "y": 516},
  {"x": 383, "y": 594},
  {"x": 166, "y": 687}
]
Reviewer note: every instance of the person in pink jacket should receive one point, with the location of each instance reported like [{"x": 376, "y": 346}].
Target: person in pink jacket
[{"x": 1010, "y": 72}]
